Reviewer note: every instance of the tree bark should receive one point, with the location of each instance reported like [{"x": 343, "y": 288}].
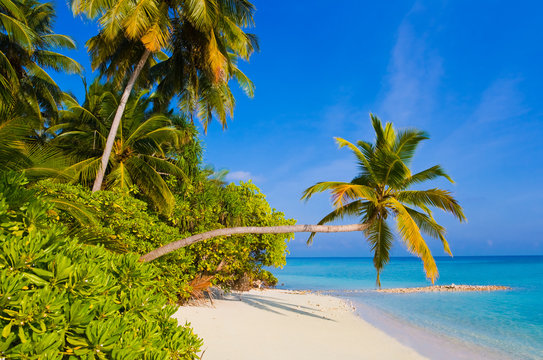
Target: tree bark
[
  {"x": 117, "y": 121},
  {"x": 249, "y": 230}
]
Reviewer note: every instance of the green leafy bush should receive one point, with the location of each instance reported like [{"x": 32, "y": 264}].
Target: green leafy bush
[
  {"x": 61, "y": 299},
  {"x": 238, "y": 258},
  {"x": 126, "y": 224}
]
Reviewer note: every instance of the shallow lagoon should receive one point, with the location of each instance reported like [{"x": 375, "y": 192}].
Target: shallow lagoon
[{"x": 499, "y": 324}]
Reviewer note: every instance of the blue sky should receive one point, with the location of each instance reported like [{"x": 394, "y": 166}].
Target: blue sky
[{"x": 469, "y": 73}]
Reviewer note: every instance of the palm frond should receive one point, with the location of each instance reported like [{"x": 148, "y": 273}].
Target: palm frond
[
  {"x": 380, "y": 239},
  {"x": 341, "y": 191},
  {"x": 364, "y": 161},
  {"x": 202, "y": 14},
  {"x": 155, "y": 122},
  {"x": 57, "y": 62},
  {"x": 410, "y": 235},
  {"x": 429, "y": 226},
  {"x": 17, "y": 31},
  {"x": 426, "y": 175},
  {"x": 151, "y": 184},
  {"x": 438, "y": 198},
  {"x": 406, "y": 143}
]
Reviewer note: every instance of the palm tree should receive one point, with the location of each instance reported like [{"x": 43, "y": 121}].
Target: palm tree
[
  {"x": 146, "y": 26},
  {"x": 379, "y": 192},
  {"x": 382, "y": 192},
  {"x": 143, "y": 151},
  {"x": 27, "y": 48}
]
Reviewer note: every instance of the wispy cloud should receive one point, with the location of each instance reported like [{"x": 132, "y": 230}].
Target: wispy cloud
[
  {"x": 493, "y": 121},
  {"x": 502, "y": 100},
  {"x": 415, "y": 71}
]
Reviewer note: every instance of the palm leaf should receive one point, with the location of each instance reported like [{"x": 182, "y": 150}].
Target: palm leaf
[
  {"x": 359, "y": 155},
  {"x": 429, "y": 226},
  {"x": 410, "y": 234},
  {"x": 202, "y": 14},
  {"x": 406, "y": 143},
  {"x": 151, "y": 184},
  {"x": 341, "y": 192},
  {"x": 426, "y": 175},
  {"x": 17, "y": 31},
  {"x": 57, "y": 62},
  {"x": 380, "y": 239},
  {"x": 439, "y": 198}
]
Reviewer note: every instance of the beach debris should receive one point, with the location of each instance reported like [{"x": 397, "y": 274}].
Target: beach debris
[{"x": 450, "y": 288}]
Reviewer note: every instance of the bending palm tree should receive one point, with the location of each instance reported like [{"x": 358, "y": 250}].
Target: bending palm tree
[
  {"x": 381, "y": 192},
  {"x": 378, "y": 193}
]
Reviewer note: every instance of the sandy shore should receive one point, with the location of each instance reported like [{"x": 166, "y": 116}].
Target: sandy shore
[{"x": 277, "y": 324}]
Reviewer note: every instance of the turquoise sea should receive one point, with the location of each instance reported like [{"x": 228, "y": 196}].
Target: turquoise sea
[{"x": 468, "y": 325}]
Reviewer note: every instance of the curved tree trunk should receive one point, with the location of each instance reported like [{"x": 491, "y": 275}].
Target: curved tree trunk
[
  {"x": 249, "y": 230},
  {"x": 116, "y": 122}
]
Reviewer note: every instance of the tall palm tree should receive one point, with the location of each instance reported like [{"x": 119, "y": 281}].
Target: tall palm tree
[
  {"x": 382, "y": 191},
  {"x": 28, "y": 47},
  {"x": 143, "y": 151},
  {"x": 146, "y": 27}
]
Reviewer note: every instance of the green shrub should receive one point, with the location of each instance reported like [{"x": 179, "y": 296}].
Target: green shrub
[
  {"x": 126, "y": 224},
  {"x": 239, "y": 257},
  {"x": 61, "y": 299}
]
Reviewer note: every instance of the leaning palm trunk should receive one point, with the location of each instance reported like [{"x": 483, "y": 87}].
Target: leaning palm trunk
[
  {"x": 166, "y": 249},
  {"x": 117, "y": 121}
]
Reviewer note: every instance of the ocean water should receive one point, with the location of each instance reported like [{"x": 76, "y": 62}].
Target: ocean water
[{"x": 447, "y": 325}]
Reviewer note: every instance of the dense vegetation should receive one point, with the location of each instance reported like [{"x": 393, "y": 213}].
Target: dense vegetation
[
  {"x": 71, "y": 285},
  {"x": 89, "y": 185},
  {"x": 62, "y": 298}
]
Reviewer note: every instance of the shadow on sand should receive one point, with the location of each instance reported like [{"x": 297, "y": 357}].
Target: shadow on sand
[{"x": 273, "y": 305}]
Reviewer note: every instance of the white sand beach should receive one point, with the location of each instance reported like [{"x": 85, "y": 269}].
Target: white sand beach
[{"x": 277, "y": 324}]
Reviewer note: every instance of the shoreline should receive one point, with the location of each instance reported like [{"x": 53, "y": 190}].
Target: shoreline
[
  {"x": 286, "y": 324},
  {"x": 426, "y": 342}
]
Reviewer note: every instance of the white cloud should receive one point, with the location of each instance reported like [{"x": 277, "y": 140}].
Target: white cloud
[
  {"x": 242, "y": 176},
  {"x": 414, "y": 75},
  {"x": 502, "y": 100}
]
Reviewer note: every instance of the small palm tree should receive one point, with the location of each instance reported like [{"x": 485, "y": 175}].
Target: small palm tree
[
  {"x": 144, "y": 149},
  {"x": 382, "y": 192}
]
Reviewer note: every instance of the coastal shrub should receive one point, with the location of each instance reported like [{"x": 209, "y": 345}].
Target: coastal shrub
[
  {"x": 62, "y": 299},
  {"x": 239, "y": 257},
  {"x": 126, "y": 224}
]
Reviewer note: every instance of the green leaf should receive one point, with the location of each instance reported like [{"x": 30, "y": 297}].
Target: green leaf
[
  {"x": 36, "y": 280},
  {"x": 7, "y": 330}
]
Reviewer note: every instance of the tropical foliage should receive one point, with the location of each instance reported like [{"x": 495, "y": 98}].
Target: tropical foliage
[
  {"x": 71, "y": 285},
  {"x": 124, "y": 224},
  {"x": 383, "y": 191},
  {"x": 145, "y": 148},
  {"x": 204, "y": 38},
  {"x": 28, "y": 47},
  {"x": 62, "y": 299}
]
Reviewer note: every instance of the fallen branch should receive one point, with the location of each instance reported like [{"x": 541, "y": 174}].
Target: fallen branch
[{"x": 166, "y": 249}]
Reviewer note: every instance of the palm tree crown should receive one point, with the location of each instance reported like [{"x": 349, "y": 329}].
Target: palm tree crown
[
  {"x": 381, "y": 192},
  {"x": 27, "y": 49},
  {"x": 144, "y": 150}
]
